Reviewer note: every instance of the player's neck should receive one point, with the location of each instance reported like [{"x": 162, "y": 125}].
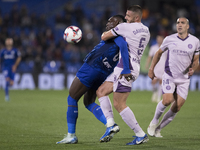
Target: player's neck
[
  {"x": 183, "y": 35},
  {"x": 9, "y": 47}
]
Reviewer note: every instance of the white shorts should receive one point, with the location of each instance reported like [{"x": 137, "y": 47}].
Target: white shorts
[
  {"x": 169, "y": 84},
  {"x": 121, "y": 85}
]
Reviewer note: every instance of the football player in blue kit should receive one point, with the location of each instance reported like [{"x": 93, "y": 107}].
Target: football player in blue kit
[
  {"x": 98, "y": 64},
  {"x": 10, "y": 59}
]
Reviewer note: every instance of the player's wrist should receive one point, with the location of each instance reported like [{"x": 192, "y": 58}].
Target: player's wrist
[{"x": 151, "y": 69}]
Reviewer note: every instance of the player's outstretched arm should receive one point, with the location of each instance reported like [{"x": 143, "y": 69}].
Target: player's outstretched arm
[
  {"x": 107, "y": 35},
  {"x": 148, "y": 61},
  {"x": 125, "y": 58},
  {"x": 155, "y": 60}
]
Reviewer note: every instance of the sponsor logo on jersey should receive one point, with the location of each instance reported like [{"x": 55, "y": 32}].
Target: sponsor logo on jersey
[{"x": 106, "y": 63}]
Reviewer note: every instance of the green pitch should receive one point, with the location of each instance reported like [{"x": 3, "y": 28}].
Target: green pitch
[{"x": 36, "y": 120}]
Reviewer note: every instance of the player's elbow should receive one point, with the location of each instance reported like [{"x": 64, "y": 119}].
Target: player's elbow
[{"x": 103, "y": 37}]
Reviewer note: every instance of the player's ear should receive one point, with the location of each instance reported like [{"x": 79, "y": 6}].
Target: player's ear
[{"x": 188, "y": 26}]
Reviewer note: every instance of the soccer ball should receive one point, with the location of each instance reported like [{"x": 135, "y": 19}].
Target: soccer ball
[{"x": 72, "y": 34}]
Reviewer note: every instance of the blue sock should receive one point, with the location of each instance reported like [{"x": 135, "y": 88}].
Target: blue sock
[
  {"x": 7, "y": 88},
  {"x": 72, "y": 114},
  {"x": 96, "y": 110}
]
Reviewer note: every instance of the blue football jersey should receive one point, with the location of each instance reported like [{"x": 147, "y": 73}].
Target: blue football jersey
[
  {"x": 8, "y": 57},
  {"x": 104, "y": 57}
]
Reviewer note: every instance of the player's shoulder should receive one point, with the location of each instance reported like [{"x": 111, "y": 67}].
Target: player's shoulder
[
  {"x": 171, "y": 37},
  {"x": 193, "y": 37},
  {"x": 144, "y": 26},
  {"x": 121, "y": 26}
]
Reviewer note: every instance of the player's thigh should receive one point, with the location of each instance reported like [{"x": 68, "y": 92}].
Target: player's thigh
[
  {"x": 183, "y": 88},
  {"x": 89, "y": 97},
  {"x": 105, "y": 89},
  {"x": 77, "y": 89}
]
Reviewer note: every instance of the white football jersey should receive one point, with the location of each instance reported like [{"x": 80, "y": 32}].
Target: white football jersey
[
  {"x": 137, "y": 36},
  {"x": 180, "y": 54}
]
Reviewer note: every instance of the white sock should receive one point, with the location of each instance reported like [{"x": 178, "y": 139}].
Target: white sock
[{"x": 110, "y": 122}]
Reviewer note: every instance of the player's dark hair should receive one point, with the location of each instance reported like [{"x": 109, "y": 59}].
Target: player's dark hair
[
  {"x": 136, "y": 8},
  {"x": 120, "y": 17}
]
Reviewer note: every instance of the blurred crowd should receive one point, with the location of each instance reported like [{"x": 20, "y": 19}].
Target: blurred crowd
[
  {"x": 41, "y": 43},
  {"x": 163, "y": 20}
]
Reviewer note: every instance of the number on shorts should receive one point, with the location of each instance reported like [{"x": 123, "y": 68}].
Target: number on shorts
[{"x": 166, "y": 81}]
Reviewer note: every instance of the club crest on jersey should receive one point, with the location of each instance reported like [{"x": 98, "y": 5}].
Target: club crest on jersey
[
  {"x": 189, "y": 46},
  {"x": 168, "y": 87}
]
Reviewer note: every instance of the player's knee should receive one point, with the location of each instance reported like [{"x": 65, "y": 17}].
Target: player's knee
[
  {"x": 100, "y": 92},
  {"x": 118, "y": 106},
  {"x": 176, "y": 109},
  {"x": 167, "y": 102},
  {"x": 87, "y": 102}
]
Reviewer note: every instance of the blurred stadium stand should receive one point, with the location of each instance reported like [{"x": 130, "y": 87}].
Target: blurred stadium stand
[{"x": 37, "y": 27}]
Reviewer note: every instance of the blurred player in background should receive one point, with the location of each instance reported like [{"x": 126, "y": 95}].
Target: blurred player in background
[
  {"x": 182, "y": 60},
  {"x": 99, "y": 63},
  {"x": 10, "y": 59},
  {"x": 159, "y": 69},
  {"x": 137, "y": 36}
]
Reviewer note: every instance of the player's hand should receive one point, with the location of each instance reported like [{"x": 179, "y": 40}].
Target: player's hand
[
  {"x": 191, "y": 72},
  {"x": 127, "y": 76},
  {"x": 151, "y": 74},
  {"x": 14, "y": 68}
]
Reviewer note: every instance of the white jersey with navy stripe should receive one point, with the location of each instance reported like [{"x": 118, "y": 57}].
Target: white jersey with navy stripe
[{"x": 180, "y": 54}]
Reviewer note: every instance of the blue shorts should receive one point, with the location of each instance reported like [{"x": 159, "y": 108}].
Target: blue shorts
[
  {"x": 7, "y": 72},
  {"x": 90, "y": 77}
]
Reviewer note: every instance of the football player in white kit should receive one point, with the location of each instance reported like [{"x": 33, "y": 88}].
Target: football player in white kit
[
  {"x": 159, "y": 69},
  {"x": 182, "y": 60},
  {"x": 137, "y": 36}
]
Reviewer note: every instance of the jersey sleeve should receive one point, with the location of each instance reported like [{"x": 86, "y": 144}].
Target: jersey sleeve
[
  {"x": 118, "y": 30},
  {"x": 124, "y": 53},
  {"x": 198, "y": 49},
  {"x": 164, "y": 45}
]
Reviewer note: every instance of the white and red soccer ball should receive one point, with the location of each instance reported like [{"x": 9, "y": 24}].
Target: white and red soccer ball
[{"x": 72, "y": 34}]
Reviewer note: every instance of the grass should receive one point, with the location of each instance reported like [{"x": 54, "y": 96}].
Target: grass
[{"x": 36, "y": 120}]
